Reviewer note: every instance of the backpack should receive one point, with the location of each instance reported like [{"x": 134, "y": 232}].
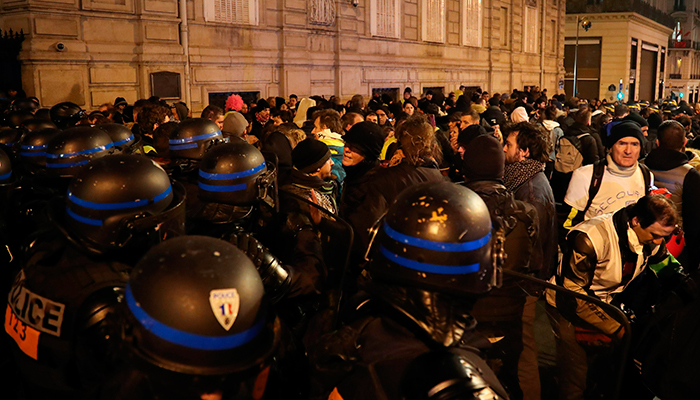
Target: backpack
[
  {"x": 568, "y": 154},
  {"x": 597, "y": 179}
]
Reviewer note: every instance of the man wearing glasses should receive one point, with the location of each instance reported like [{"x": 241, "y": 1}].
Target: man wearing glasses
[{"x": 606, "y": 257}]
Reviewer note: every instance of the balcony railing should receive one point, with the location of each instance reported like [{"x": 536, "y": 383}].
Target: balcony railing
[
  {"x": 609, "y": 6},
  {"x": 684, "y": 44}
]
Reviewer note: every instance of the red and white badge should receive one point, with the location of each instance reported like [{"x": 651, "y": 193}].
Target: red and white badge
[{"x": 225, "y": 304}]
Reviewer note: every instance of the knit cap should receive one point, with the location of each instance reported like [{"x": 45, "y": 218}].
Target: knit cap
[{"x": 310, "y": 155}]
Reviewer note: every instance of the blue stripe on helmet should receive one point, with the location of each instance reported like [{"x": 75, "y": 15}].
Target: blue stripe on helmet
[
  {"x": 233, "y": 175},
  {"x": 124, "y": 141},
  {"x": 117, "y": 206},
  {"x": 437, "y": 246},
  {"x": 81, "y": 152},
  {"x": 229, "y": 188},
  {"x": 5, "y": 176},
  {"x": 429, "y": 268},
  {"x": 184, "y": 146},
  {"x": 85, "y": 220},
  {"x": 195, "y": 138},
  {"x": 66, "y": 165},
  {"x": 35, "y": 147},
  {"x": 191, "y": 340},
  {"x": 39, "y": 154}
]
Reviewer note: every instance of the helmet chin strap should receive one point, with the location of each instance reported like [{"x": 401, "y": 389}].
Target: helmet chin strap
[{"x": 445, "y": 319}]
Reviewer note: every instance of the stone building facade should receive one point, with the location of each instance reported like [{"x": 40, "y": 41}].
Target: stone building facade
[
  {"x": 684, "y": 51},
  {"x": 91, "y": 51},
  {"x": 626, "y": 45}
]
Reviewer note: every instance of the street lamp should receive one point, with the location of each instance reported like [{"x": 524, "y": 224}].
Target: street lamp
[{"x": 584, "y": 23}]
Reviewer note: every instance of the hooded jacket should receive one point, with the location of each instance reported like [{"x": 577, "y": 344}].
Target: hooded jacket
[{"x": 673, "y": 172}]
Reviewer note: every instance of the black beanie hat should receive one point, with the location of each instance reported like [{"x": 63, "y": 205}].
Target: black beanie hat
[
  {"x": 483, "y": 159},
  {"x": 633, "y": 116},
  {"x": 310, "y": 155},
  {"x": 367, "y": 137},
  {"x": 624, "y": 129},
  {"x": 470, "y": 133}
]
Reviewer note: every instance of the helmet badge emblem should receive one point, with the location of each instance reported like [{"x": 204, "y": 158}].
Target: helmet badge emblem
[{"x": 225, "y": 304}]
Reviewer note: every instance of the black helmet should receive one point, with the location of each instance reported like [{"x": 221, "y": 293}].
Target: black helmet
[
  {"x": 193, "y": 137},
  {"x": 30, "y": 104},
  {"x": 231, "y": 174},
  {"x": 15, "y": 118},
  {"x": 75, "y": 147},
  {"x": 5, "y": 169},
  {"x": 66, "y": 114},
  {"x": 437, "y": 236},
  {"x": 447, "y": 375},
  {"x": 35, "y": 124},
  {"x": 43, "y": 113},
  {"x": 9, "y": 138},
  {"x": 197, "y": 307},
  {"x": 33, "y": 145},
  {"x": 114, "y": 199},
  {"x": 121, "y": 136}
]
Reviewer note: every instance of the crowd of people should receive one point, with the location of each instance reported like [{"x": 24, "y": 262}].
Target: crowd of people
[{"x": 379, "y": 248}]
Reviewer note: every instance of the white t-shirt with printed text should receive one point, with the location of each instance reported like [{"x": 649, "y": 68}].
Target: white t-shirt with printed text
[{"x": 615, "y": 192}]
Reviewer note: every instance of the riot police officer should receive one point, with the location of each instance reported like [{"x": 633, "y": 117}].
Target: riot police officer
[
  {"x": 187, "y": 144},
  {"x": 216, "y": 341},
  {"x": 61, "y": 302},
  {"x": 435, "y": 254}
]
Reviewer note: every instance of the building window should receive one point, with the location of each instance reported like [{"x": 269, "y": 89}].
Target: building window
[
  {"x": 531, "y": 24},
  {"x": 434, "y": 21},
  {"x": 472, "y": 15},
  {"x": 243, "y": 12},
  {"x": 385, "y": 18},
  {"x": 504, "y": 26}
]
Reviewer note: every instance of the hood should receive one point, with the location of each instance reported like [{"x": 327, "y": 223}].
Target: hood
[
  {"x": 549, "y": 125},
  {"x": 661, "y": 159}
]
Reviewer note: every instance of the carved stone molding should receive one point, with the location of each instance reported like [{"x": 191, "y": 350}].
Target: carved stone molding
[{"x": 322, "y": 12}]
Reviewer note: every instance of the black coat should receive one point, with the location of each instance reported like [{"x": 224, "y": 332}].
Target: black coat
[
  {"x": 660, "y": 160},
  {"x": 372, "y": 199},
  {"x": 589, "y": 144}
]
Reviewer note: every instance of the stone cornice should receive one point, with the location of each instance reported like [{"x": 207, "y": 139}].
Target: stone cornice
[{"x": 625, "y": 16}]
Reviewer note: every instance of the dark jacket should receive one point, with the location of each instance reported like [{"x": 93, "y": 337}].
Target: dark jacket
[
  {"x": 589, "y": 144},
  {"x": 538, "y": 192},
  {"x": 380, "y": 191},
  {"x": 672, "y": 171},
  {"x": 519, "y": 223},
  {"x": 367, "y": 358},
  {"x": 300, "y": 243}
]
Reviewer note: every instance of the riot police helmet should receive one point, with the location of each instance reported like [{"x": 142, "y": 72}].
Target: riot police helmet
[
  {"x": 117, "y": 200},
  {"x": 32, "y": 146},
  {"x": 193, "y": 137},
  {"x": 124, "y": 140},
  {"x": 43, "y": 113},
  {"x": 74, "y": 147},
  {"x": 30, "y": 104},
  {"x": 437, "y": 237},
  {"x": 15, "y": 118},
  {"x": 9, "y": 138},
  {"x": 36, "y": 124},
  {"x": 66, "y": 114},
  {"x": 197, "y": 308},
  {"x": 233, "y": 173},
  {"x": 6, "y": 176},
  {"x": 448, "y": 375}
]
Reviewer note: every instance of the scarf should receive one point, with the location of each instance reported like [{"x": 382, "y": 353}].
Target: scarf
[
  {"x": 520, "y": 172},
  {"x": 618, "y": 170}
]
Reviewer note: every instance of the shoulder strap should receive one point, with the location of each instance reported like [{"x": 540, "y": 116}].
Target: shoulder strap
[
  {"x": 596, "y": 180},
  {"x": 647, "y": 177}
]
